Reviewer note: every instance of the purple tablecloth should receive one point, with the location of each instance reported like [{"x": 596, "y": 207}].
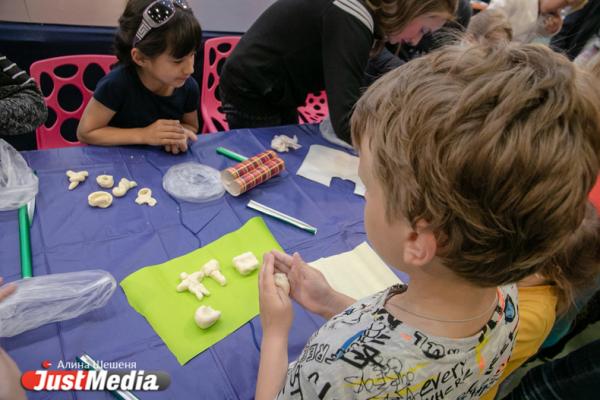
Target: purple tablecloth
[{"x": 67, "y": 235}]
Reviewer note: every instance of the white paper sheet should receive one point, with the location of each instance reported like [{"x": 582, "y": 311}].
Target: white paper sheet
[
  {"x": 357, "y": 273},
  {"x": 323, "y": 163}
]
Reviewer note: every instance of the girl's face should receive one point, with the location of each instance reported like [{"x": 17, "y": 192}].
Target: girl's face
[
  {"x": 416, "y": 29},
  {"x": 169, "y": 71}
]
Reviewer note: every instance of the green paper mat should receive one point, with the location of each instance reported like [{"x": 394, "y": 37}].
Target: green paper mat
[{"x": 151, "y": 291}]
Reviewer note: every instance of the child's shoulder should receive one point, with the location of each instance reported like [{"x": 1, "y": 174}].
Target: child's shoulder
[{"x": 366, "y": 342}]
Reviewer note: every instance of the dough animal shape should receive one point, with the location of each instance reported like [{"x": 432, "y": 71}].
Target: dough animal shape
[
  {"x": 124, "y": 186},
  {"x": 211, "y": 268},
  {"x": 206, "y": 316},
  {"x": 75, "y": 178},
  {"x": 191, "y": 283},
  {"x": 105, "y": 181},
  {"x": 282, "y": 281},
  {"x": 100, "y": 199},
  {"x": 145, "y": 197},
  {"x": 245, "y": 263}
]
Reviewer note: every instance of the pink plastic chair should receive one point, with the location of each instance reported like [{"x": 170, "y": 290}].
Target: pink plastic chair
[
  {"x": 315, "y": 108},
  {"x": 51, "y": 137},
  {"x": 216, "y": 51}
]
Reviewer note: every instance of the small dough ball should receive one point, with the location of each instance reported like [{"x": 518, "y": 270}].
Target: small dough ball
[
  {"x": 206, "y": 316},
  {"x": 282, "y": 281}
]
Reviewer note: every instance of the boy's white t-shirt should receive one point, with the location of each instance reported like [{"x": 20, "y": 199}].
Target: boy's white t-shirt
[
  {"x": 523, "y": 17},
  {"x": 366, "y": 353}
]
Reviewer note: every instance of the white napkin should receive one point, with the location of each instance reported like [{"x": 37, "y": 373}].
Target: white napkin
[
  {"x": 323, "y": 163},
  {"x": 357, "y": 273}
]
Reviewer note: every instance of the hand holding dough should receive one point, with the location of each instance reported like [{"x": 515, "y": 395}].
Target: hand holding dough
[
  {"x": 245, "y": 263},
  {"x": 100, "y": 199},
  {"x": 211, "y": 268},
  {"x": 124, "y": 186},
  {"x": 206, "y": 316},
  {"x": 191, "y": 283},
  {"x": 282, "y": 281},
  {"x": 145, "y": 197},
  {"x": 105, "y": 181},
  {"x": 75, "y": 178}
]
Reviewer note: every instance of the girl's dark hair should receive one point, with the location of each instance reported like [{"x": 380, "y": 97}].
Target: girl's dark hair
[{"x": 180, "y": 35}]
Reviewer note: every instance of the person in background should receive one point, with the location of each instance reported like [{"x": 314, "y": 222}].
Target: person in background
[
  {"x": 533, "y": 18},
  {"x": 489, "y": 26},
  {"x": 579, "y": 28},
  {"x": 460, "y": 199},
  {"x": 150, "y": 97},
  {"x": 22, "y": 108},
  {"x": 572, "y": 377},
  {"x": 10, "y": 376},
  {"x": 552, "y": 291},
  {"x": 300, "y": 46}
]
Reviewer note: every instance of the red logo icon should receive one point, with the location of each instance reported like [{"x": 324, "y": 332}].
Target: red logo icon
[{"x": 46, "y": 364}]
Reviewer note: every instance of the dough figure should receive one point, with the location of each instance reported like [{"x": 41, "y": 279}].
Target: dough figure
[
  {"x": 100, "y": 199},
  {"x": 105, "y": 181},
  {"x": 145, "y": 197},
  {"x": 75, "y": 178},
  {"x": 123, "y": 187},
  {"x": 191, "y": 282}
]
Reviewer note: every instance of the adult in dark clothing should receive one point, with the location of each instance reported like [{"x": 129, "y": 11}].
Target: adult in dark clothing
[
  {"x": 577, "y": 29},
  {"x": 301, "y": 46}
]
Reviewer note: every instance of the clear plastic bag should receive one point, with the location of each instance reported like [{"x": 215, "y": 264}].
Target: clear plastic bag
[
  {"x": 193, "y": 182},
  {"x": 51, "y": 298},
  {"x": 18, "y": 183}
]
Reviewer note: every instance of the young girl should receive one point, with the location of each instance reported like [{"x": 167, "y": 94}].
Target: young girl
[
  {"x": 150, "y": 97},
  {"x": 301, "y": 46}
]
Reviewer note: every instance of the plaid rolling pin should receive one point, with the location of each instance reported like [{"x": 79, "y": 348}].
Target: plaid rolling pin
[{"x": 244, "y": 176}]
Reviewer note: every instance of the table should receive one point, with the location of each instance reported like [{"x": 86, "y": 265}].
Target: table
[{"x": 67, "y": 235}]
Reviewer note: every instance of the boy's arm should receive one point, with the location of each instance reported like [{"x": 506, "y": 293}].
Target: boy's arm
[
  {"x": 93, "y": 129},
  {"x": 273, "y": 367}
]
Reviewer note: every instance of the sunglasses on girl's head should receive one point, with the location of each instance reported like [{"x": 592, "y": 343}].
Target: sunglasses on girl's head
[{"x": 157, "y": 14}]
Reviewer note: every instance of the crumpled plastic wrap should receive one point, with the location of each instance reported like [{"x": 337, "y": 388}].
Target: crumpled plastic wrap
[
  {"x": 52, "y": 298},
  {"x": 18, "y": 183}
]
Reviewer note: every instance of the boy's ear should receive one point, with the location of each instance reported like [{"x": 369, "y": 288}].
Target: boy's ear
[
  {"x": 138, "y": 57},
  {"x": 421, "y": 245}
]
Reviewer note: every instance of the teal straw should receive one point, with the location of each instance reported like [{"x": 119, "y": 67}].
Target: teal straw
[
  {"x": 231, "y": 154},
  {"x": 25, "y": 243}
]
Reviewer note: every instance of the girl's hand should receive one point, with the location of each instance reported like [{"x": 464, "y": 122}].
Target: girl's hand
[
  {"x": 276, "y": 313},
  {"x": 182, "y": 146},
  {"x": 163, "y": 132},
  {"x": 309, "y": 287}
]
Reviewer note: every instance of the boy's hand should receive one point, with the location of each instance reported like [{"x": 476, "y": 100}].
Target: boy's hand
[
  {"x": 6, "y": 290},
  {"x": 276, "y": 312},
  {"x": 163, "y": 132},
  {"x": 309, "y": 287}
]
